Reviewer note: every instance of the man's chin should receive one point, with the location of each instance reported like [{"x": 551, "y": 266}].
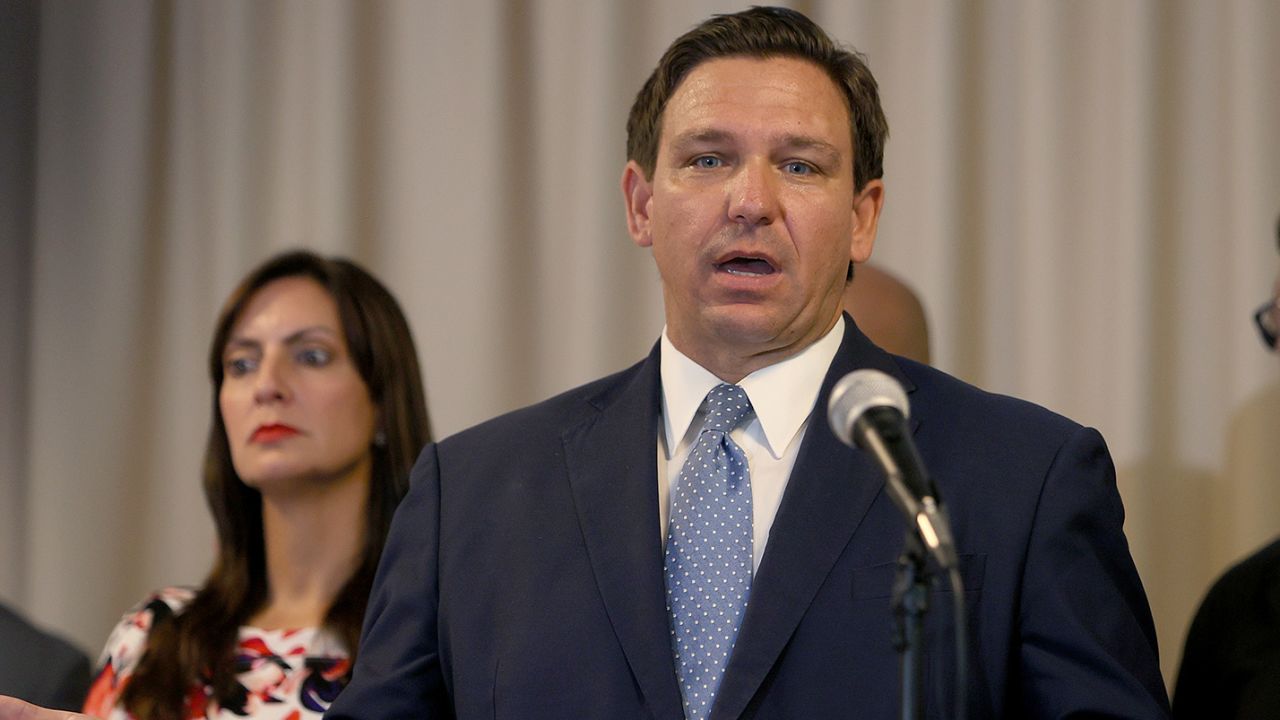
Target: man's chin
[
  {"x": 748, "y": 328},
  {"x": 755, "y": 330}
]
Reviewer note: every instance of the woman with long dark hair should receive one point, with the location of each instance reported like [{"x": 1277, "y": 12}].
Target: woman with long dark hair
[{"x": 317, "y": 415}]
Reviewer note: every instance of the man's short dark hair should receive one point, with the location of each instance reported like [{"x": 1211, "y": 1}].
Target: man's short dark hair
[{"x": 763, "y": 32}]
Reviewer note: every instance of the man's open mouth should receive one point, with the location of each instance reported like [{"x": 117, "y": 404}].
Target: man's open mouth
[{"x": 749, "y": 266}]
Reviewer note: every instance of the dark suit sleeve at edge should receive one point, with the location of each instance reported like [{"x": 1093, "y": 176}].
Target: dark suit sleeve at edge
[
  {"x": 1088, "y": 645},
  {"x": 70, "y": 682},
  {"x": 397, "y": 672}
]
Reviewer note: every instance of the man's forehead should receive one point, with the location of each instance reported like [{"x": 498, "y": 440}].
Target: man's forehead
[
  {"x": 774, "y": 93},
  {"x": 709, "y": 73}
]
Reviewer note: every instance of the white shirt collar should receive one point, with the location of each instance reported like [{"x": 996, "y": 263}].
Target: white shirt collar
[{"x": 782, "y": 394}]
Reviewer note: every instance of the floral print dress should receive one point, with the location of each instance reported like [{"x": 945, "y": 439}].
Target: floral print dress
[{"x": 283, "y": 674}]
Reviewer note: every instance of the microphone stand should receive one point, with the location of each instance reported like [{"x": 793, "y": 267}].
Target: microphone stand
[
  {"x": 910, "y": 603},
  {"x": 868, "y": 410}
]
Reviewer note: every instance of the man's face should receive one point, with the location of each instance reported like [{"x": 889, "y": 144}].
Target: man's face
[{"x": 751, "y": 213}]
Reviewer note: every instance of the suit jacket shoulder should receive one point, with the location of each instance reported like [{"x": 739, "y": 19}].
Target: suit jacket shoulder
[
  {"x": 40, "y": 667},
  {"x": 936, "y": 392},
  {"x": 545, "y": 422}
]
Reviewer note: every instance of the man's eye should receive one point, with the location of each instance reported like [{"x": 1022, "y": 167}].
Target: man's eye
[
  {"x": 796, "y": 167},
  {"x": 707, "y": 162},
  {"x": 235, "y": 367},
  {"x": 315, "y": 357}
]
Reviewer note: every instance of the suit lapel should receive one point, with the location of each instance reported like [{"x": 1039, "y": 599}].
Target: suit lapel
[
  {"x": 830, "y": 489},
  {"x": 612, "y": 462}
]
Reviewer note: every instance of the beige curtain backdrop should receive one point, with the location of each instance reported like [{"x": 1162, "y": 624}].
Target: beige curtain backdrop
[{"x": 1083, "y": 193}]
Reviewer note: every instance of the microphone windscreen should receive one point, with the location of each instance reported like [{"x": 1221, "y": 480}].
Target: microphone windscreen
[{"x": 858, "y": 392}]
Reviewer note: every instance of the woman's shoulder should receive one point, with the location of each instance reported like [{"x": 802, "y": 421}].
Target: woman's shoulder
[
  {"x": 129, "y": 637},
  {"x": 131, "y": 633},
  {"x": 157, "y": 606},
  {"x": 175, "y": 598},
  {"x": 126, "y": 645}
]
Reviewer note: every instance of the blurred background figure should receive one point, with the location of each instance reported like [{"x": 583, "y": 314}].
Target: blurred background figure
[
  {"x": 1231, "y": 661},
  {"x": 39, "y": 667},
  {"x": 888, "y": 311},
  {"x": 318, "y": 414}
]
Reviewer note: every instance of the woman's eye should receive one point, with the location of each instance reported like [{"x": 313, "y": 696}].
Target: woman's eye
[
  {"x": 238, "y": 366},
  {"x": 707, "y": 162},
  {"x": 315, "y": 357}
]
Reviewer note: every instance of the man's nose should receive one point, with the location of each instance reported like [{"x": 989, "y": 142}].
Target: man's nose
[{"x": 753, "y": 193}]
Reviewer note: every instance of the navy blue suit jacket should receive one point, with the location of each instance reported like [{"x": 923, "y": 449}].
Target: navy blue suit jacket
[{"x": 523, "y": 574}]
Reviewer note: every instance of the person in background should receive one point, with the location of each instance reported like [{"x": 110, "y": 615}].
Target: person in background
[
  {"x": 888, "y": 312},
  {"x": 317, "y": 414},
  {"x": 1231, "y": 660},
  {"x": 39, "y": 667}
]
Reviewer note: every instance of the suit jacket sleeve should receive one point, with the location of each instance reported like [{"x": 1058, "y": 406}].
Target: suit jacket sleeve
[
  {"x": 397, "y": 672},
  {"x": 70, "y": 681},
  {"x": 1088, "y": 642},
  {"x": 40, "y": 668}
]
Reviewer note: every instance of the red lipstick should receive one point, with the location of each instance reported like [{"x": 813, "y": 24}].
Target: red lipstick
[{"x": 275, "y": 432}]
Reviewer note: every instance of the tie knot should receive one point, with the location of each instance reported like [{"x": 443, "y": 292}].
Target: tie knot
[{"x": 726, "y": 406}]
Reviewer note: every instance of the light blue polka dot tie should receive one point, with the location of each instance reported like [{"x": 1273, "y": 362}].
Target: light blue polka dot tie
[{"x": 708, "y": 563}]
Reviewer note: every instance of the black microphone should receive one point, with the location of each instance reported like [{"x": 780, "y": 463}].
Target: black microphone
[{"x": 868, "y": 410}]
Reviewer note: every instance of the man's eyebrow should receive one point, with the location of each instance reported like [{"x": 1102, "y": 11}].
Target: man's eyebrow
[
  {"x": 709, "y": 136},
  {"x": 700, "y": 136},
  {"x": 805, "y": 142}
]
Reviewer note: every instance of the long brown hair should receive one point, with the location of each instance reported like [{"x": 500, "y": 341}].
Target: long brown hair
[{"x": 197, "y": 645}]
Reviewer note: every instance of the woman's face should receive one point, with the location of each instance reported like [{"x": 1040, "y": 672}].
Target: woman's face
[{"x": 295, "y": 408}]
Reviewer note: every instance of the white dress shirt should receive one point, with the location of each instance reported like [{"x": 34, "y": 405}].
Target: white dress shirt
[{"x": 782, "y": 395}]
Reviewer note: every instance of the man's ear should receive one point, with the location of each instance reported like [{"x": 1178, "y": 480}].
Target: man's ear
[
  {"x": 867, "y": 205},
  {"x": 638, "y": 194}
]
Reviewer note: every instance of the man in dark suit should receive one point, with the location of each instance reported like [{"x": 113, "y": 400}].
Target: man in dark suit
[
  {"x": 631, "y": 550},
  {"x": 39, "y": 667}
]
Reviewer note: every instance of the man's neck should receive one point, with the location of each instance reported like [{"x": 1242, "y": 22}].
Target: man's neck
[{"x": 731, "y": 362}]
